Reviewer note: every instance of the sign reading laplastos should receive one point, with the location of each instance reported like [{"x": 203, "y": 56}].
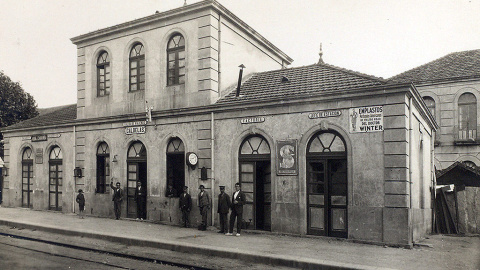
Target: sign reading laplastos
[{"x": 366, "y": 119}]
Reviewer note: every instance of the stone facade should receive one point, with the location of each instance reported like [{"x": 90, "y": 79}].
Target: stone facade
[{"x": 381, "y": 194}]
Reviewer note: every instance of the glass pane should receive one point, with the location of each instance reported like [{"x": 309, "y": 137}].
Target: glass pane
[
  {"x": 337, "y": 145},
  {"x": 338, "y": 219},
  {"x": 133, "y": 87},
  {"x": 315, "y": 146},
  {"x": 27, "y": 154},
  {"x": 181, "y": 54},
  {"x": 133, "y": 65},
  {"x": 181, "y": 79},
  {"x": 171, "y": 67},
  {"x": 316, "y": 189},
  {"x": 142, "y": 70},
  {"x": 317, "y": 178},
  {"x": 142, "y": 78},
  {"x": 171, "y": 56},
  {"x": 60, "y": 182},
  {"x": 181, "y": 71},
  {"x": 246, "y": 177},
  {"x": 249, "y": 197},
  {"x": 247, "y": 187},
  {"x": 316, "y": 167},
  {"x": 181, "y": 63},
  {"x": 132, "y": 168},
  {"x": 317, "y": 218},
  {"x": 132, "y": 175},
  {"x": 338, "y": 200},
  {"x": 316, "y": 199},
  {"x": 247, "y": 167},
  {"x": 52, "y": 188}
]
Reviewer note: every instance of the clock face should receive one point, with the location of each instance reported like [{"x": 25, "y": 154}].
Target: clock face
[{"x": 192, "y": 159}]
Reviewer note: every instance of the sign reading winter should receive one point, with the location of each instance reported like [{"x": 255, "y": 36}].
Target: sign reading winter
[{"x": 366, "y": 119}]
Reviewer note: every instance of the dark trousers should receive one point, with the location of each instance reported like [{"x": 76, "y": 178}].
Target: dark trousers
[
  {"x": 234, "y": 215},
  {"x": 204, "y": 212},
  {"x": 185, "y": 218},
  {"x": 223, "y": 222},
  {"x": 117, "y": 208},
  {"x": 141, "y": 211}
]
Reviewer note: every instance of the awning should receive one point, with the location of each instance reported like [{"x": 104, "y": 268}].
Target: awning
[{"x": 459, "y": 174}]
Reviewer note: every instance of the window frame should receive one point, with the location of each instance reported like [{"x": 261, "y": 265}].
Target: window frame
[
  {"x": 176, "y": 50},
  {"x": 138, "y": 58},
  {"x": 467, "y": 116},
  {"x": 103, "y": 162},
  {"x": 107, "y": 82}
]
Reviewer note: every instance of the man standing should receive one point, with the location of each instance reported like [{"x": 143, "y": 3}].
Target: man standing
[
  {"x": 238, "y": 200},
  {"x": 204, "y": 204},
  {"x": 185, "y": 203},
  {"x": 223, "y": 208},
  {"x": 140, "y": 198},
  {"x": 117, "y": 199}
]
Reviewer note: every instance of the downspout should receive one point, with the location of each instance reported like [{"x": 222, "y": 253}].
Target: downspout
[
  {"x": 74, "y": 166},
  {"x": 433, "y": 177},
  {"x": 213, "y": 165},
  {"x": 410, "y": 137}
]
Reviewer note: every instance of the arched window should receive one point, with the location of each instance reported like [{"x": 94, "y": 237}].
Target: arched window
[
  {"x": 103, "y": 167},
  {"x": 430, "y": 104},
  {"x": 467, "y": 117},
  {"x": 137, "y": 67},
  {"x": 55, "y": 178},
  {"x": 27, "y": 177},
  {"x": 103, "y": 75},
  {"x": 176, "y": 60},
  {"x": 175, "y": 167}
]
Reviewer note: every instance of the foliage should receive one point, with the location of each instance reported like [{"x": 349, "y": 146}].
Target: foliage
[{"x": 16, "y": 105}]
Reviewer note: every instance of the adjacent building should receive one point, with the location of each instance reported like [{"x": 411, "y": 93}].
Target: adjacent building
[{"x": 318, "y": 149}]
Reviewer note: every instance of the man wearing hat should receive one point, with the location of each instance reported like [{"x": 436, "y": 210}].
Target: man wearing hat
[
  {"x": 81, "y": 203},
  {"x": 204, "y": 204},
  {"x": 223, "y": 208},
  {"x": 185, "y": 203}
]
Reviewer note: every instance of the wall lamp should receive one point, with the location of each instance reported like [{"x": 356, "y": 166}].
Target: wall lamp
[
  {"x": 5, "y": 171},
  {"x": 114, "y": 158},
  {"x": 77, "y": 172}
]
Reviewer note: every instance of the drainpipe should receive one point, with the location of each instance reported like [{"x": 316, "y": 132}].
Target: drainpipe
[
  {"x": 213, "y": 165},
  {"x": 410, "y": 136},
  {"x": 74, "y": 166},
  {"x": 433, "y": 181}
]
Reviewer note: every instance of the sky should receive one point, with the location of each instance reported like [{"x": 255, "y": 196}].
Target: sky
[{"x": 377, "y": 37}]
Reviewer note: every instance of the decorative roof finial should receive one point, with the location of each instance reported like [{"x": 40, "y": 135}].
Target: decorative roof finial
[
  {"x": 320, "y": 53},
  {"x": 185, "y": 2}
]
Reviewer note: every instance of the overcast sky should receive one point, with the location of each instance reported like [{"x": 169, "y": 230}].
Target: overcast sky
[{"x": 377, "y": 37}]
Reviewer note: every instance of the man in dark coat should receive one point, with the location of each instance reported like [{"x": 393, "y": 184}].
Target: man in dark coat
[
  {"x": 204, "y": 204},
  {"x": 81, "y": 203},
  {"x": 185, "y": 203},
  {"x": 238, "y": 200},
  {"x": 223, "y": 208},
  {"x": 117, "y": 199},
  {"x": 140, "y": 198}
]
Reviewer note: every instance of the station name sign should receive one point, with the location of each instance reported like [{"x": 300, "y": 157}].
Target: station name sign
[
  {"x": 325, "y": 114},
  {"x": 135, "y": 123},
  {"x": 39, "y": 138},
  {"x": 135, "y": 130},
  {"x": 366, "y": 119},
  {"x": 251, "y": 120}
]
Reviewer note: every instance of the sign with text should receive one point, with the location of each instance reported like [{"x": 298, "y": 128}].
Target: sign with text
[
  {"x": 366, "y": 119},
  {"x": 135, "y": 130},
  {"x": 287, "y": 157},
  {"x": 252, "y": 120},
  {"x": 38, "y": 156},
  {"x": 325, "y": 114},
  {"x": 39, "y": 138},
  {"x": 135, "y": 123}
]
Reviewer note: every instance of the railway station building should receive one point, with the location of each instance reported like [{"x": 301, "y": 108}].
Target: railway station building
[{"x": 318, "y": 149}]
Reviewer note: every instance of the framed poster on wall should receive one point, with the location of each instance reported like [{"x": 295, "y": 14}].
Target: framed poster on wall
[{"x": 287, "y": 157}]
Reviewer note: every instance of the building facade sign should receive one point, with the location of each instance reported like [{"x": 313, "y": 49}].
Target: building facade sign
[
  {"x": 324, "y": 114},
  {"x": 135, "y": 123},
  {"x": 366, "y": 119},
  {"x": 287, "y": 158},
  {"x": 39, "y": 138},
  {"x": 251, "y": 120},
  {"x": 38, "y": 156},
  {"x": 135, "y": 130}
]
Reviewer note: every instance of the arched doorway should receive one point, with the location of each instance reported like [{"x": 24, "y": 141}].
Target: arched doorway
[
  {"x": 137, "y": 171},
  {"x": 255, "y": 178},
  {"x": 327, "y": 185},
  {"x": 175, "y": 166},
  {"x": 27, "y": 178},
  {"x": 55, "y": 178}
]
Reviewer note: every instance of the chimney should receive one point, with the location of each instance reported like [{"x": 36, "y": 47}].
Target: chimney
[{"x": 239, "y": 79}]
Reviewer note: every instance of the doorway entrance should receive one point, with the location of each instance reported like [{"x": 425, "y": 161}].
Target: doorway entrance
[
  {"x": 327, "y": 185},
  {"x": 55, "y": 178},
  {"x": 255, "y": 179},
  {"x": 136, "y": 171},
  {"x": 27, "y": 178}
]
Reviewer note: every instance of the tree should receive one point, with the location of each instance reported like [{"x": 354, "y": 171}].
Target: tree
[{"x": 16, "y": 105}]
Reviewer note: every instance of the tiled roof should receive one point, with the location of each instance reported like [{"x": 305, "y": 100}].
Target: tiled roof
[
  {"x": 300, "y": 81},
  {"x": 55, "y": 115},
  {"x": 459, "y": 173},
  {"x": 456, "y": 65}
]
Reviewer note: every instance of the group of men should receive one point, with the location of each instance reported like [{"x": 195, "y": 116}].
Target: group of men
[
  {"x": 224, "y": 206},
  {"x": 185, "y": 204}
]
